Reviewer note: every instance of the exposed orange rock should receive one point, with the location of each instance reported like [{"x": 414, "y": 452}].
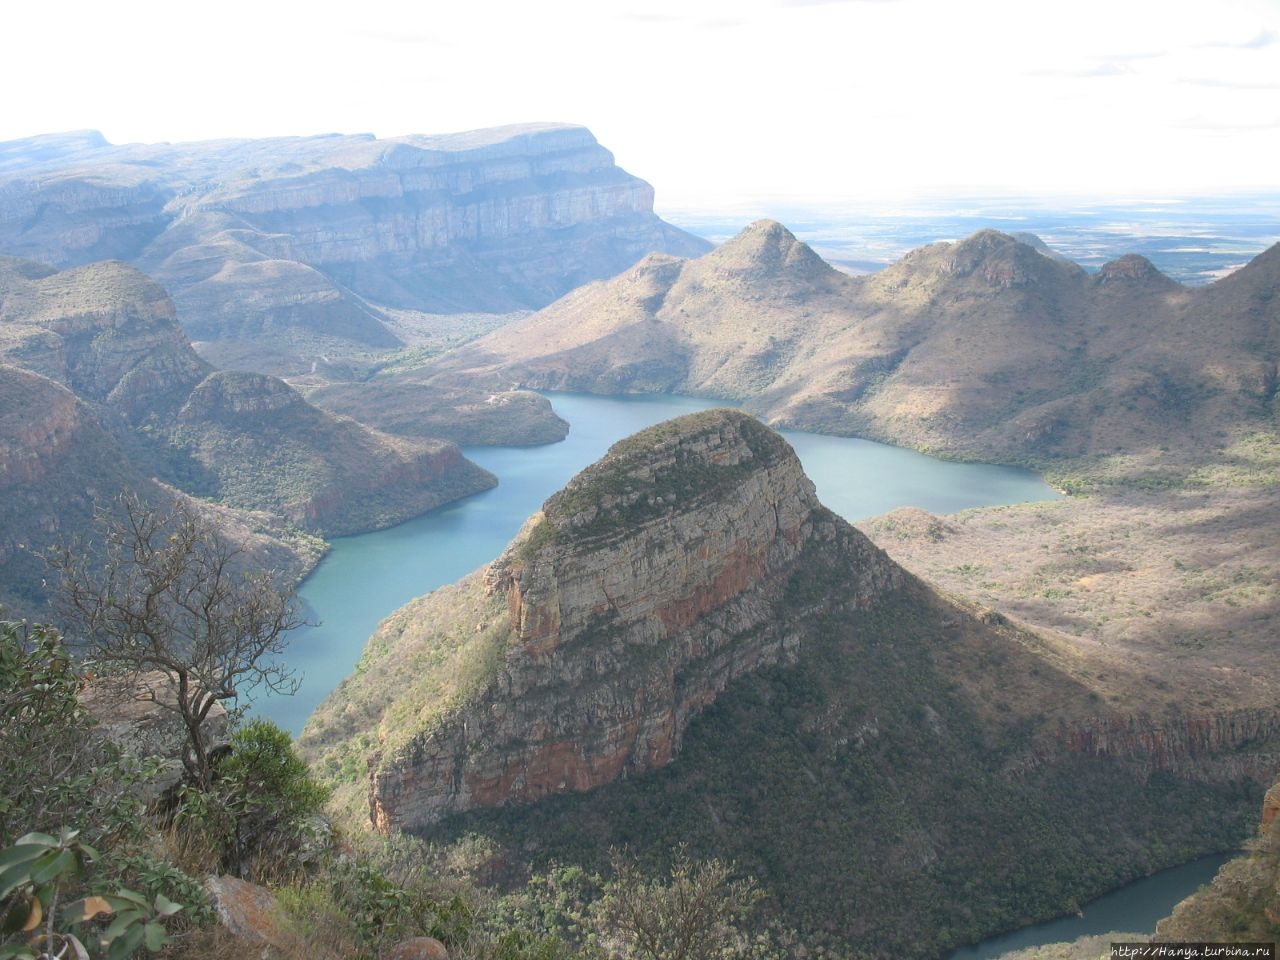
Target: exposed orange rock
[
  {"x": 1270, "y": 806},
  {"x": 252, "y": 913},
  {"x": 636, "y": 596},
  {"x": 418, "y": 948}
]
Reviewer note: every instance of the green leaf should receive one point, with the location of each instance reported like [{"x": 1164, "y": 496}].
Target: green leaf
[
  {"x": 48, "y": 867},
  {"x": 166, "y": 907},
  {"x": 155, "y": 936},
  {"x": 19, "y": 875},
  {"x": 43, "y": 839},
  {"x": 124, "y": 899},
  {"x": 121, "y": 947},
  {"x": 21, "y": 853},
  {"x": 16, "y": 951},
  {"x": 121, "y": 924}
]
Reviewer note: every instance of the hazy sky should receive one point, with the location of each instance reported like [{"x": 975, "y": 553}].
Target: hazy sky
[{"x": 712, "y": 101}]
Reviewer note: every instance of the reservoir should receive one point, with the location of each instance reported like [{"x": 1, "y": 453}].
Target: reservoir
[{"x": 364, "y": 578}]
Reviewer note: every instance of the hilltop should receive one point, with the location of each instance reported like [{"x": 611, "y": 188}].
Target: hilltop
[
  {"x": 684, "y": 646},
  {"x": 988, "y": 348},
  {"x": 104, "y": 393}
]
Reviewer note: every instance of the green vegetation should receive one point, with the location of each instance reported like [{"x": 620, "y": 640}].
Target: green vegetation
[
  {"x": 174, "y": 601},
  {"x": 1241, "y": 905},
  {"x": 36, "y": 872},
  {"x": 417, "y": 668},
  {"x": 53, "y": 770},
  {"x": 134, "y": 888},
  {"x": 878, "y": 811}
]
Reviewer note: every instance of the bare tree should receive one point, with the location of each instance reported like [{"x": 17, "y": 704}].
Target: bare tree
[{"x": 165, "y": 593}]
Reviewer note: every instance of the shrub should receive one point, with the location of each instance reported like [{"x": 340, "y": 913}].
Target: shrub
[{"x": 263, "y": 810}]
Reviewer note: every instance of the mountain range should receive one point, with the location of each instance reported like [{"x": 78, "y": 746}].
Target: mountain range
[
  {"x": 309, "y": 245},
  {"x": 104, "y": 393},
  {"x": 684, "y": 645},
  {"x": 990, "y": 348}
]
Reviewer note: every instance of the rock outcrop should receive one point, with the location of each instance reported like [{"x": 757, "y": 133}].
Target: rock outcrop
[
  {"x": 139, "y": 715},
  {"x": 320, "y": 234},
  {"x": 684, "y": 646},
  {"x": 1203, "y": 746},
  {"x": 254, "y": 916},
  {"x": 653, "y": 580}
]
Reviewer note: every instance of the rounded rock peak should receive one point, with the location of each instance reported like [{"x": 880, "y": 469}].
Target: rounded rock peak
[
  {"x": 231, "y": 393},
  {"x": 1130, "y": 267},
  {"x": 672, "y": 465},
  {"x": 709, "y": 432},
  {"x": 766, "y": 247}
]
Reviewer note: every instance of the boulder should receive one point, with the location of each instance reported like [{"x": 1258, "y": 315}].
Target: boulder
[
  {"x": 251, "y": 913},
  {"x": 139, "y": 715}
]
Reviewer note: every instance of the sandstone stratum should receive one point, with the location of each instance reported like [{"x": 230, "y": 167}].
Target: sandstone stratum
[
  {"x": 305, "y": 245},
  {"x": 684, "y": 646}
]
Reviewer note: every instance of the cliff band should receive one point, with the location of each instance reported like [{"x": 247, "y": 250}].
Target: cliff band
[{"x": 656, "y": 577}]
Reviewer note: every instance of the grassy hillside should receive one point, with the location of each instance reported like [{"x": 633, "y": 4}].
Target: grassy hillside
[{"x": 110, "y": 334}]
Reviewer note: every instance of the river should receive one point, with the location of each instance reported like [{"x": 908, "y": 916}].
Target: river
[{"x": 1135, "y": 908}]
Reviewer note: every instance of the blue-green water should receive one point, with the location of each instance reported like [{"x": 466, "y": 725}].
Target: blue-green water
[
  {"x": 366, "y": 577},
  {"x": 1134, "y": 908}
]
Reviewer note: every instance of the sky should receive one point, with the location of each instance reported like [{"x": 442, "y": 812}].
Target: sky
[{"x": 715, "y": 102}]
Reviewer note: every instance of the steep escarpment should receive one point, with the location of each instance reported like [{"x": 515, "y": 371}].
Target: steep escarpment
[
  {"x": 1242, "y": 904},
  {"x": 255, "y": 442},
  {"x": 314, "y": 238},
  {"x": 57, "y": 465},
  {"x": 1230, "y": 744},
  {"x": 684, "y": 647},
  {"x": 987, "y": 348}
]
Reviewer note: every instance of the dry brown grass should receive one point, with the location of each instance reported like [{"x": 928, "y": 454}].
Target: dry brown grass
[{"x": 1179, "y": 585}]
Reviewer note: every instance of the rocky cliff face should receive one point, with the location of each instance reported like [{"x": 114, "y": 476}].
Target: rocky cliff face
[
  {"x": 683, "y": 646},
  {"x": 320, "y": 233},
  {"x": 59, "y": 467},
  {"x": 1234, "y": 744},
  {"x": 652, "y": 581}
]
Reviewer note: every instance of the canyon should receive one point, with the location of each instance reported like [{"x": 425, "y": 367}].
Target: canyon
[
  {"x": 104, "y": 393},
  {"x": 1124, "y": 359},
  {"x": 683, "y": 645}
]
